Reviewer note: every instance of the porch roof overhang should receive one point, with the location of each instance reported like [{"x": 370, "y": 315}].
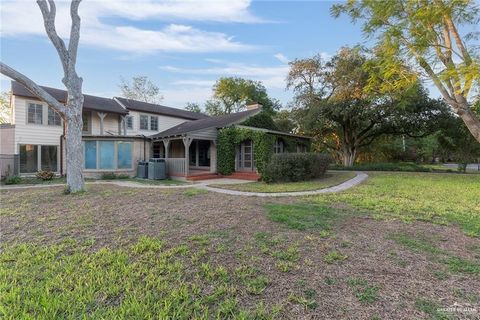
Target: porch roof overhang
[{"x": 275, "y": 132}]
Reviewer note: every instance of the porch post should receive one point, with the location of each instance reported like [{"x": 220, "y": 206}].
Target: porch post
[
  {"x": 102, "y": 116},
  {"x": 187, "y": 141},
  {"x": 196, "y": 153},
  {"x": 166, "y": 144},
  {"x": 213, "y": 156},
  {"x": 123, "y": 125}
]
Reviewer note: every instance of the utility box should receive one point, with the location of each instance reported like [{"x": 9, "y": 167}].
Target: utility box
[
  {"x": 157, "y": 169},
  {"x": 142, "y": 169}
]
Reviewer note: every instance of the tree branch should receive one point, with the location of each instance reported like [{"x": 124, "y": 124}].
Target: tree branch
[
  {"x": 33, "y": 87},
  {"x": 49, "y": 22},
  {"x": 74, "y": 32}
]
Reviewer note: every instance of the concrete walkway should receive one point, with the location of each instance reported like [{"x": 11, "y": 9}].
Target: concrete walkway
[{"x": 359, "y": 178}]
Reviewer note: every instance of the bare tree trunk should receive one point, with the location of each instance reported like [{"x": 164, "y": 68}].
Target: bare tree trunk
[
  {"x": 348, "y": 156},
  {"x": 470, "y": 120}
]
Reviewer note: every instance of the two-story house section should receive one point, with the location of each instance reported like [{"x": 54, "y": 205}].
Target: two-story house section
[{"x": 115, "y": 133}]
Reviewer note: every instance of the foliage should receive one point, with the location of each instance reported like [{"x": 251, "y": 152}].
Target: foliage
[
  {"x": 335, "y": 109},
  {"x": 285, "y": 121},
  {"x": 333, "y": 256},
  {"x": 45, "y": 175},
  {"x": 13, "y": 180},
  {"x": 113, "y": 176},
  {"x": 262, "y": 120},
  {"x": 193, "y": 107},
  {"x": 423, "y": 38},
  {"x": 330, "y": 179},
  {"x": 140, "y": 88},
  {"x": 5, "y": 108},
  {"x": 149, "y": 279},
  {"x": 364, "y": 292},
  {"x": 291, "y": 167},
  {"x": 436, "y": 197},
  {"x": 232, "y": 94},
  {"x": 386, "y": 166},
  {"x": 302, "y": 216},
  {"x": 229, "y": 138}
]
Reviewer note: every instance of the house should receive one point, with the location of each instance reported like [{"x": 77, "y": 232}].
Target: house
[{"x": 118, "y": 132}]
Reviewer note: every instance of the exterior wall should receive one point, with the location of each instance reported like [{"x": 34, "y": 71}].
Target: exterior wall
[
  {"x": 164, "y": 123},
  {"x": 176, "y": 149},
  {"x": 111, "y": 124},
  {"x": 27, "y": 133},
  {"x": 7, "y": 139}
]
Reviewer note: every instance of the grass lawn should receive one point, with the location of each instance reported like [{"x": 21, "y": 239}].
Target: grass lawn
[
  {"x": 440, "y": 198},
  {"x": 63, "y": 180},
  {"x": 332, "y": 178},
  {"x": 167, "y": 182},
  {"x": 142, "y": 253}
]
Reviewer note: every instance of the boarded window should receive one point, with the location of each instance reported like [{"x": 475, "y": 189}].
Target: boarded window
[
  {"x": 107, "y": 154},
  {"x": 124, "y": 150},
  {"x": 90, "y": 154}
]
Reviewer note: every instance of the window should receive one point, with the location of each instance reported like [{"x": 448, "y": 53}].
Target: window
[
  {"x": 28, "y": 158},
  {"x": 53, "y": 118},
  {"x": 153, "y": 123},
  {"x": 301, "y": 148},
  {"x": 143, "y": 122},
  {"x": 278, "y": 146},
  {"x": 124, "y": 151},
  {"x": 107, "y": 154},
  {"x": 86, "y": 124},
  {"x": 49, "y": 158},
  {"x": 90, "y": 154},
  {"x": 37, "y": 157},
  {"x": 129, "y": 122},
  {"x": 35, "y": 113}
]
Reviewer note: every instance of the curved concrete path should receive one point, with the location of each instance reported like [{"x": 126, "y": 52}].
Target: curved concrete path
[{"x": 359, "y": 178}]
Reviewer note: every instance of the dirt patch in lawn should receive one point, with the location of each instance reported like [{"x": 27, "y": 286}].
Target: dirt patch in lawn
[{"x": 353, "y": 268}]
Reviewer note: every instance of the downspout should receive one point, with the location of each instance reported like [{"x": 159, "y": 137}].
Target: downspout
[
  {"x": 144, "y": 147},
  {"x": 62, "y": 137}
]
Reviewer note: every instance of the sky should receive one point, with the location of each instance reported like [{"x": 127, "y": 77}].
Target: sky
[{"x": 183, "y": 47}]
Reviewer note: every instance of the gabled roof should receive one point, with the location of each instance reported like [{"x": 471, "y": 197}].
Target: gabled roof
[
  {"x": 90, "y": 102},
  {"x": 159, "y": 109},
  {"x": 210, "y": 122}
]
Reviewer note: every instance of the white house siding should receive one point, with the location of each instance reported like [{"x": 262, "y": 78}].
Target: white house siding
[
  {"x": 164, "y": 123},
  {"x": 26, "y": 133},
  {"x": 110, "y": 124}
]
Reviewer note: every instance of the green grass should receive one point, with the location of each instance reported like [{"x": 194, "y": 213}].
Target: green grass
[
  {"x": 302, "y": 216},
  {"x": 194, "y": 192},
  {"x": 424, "y": 246},
  {"x": 147, "y": 280},
  {"x": 333, "y": 256},
  {"x": 363, "y": 291},
  {"x": 434, "y": 197},
  {"x": 331, "y": 179},
  {"x": 431, "y": 309}
]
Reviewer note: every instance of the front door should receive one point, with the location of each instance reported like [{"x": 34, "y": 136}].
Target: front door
[{"x": 245, "y": 156}]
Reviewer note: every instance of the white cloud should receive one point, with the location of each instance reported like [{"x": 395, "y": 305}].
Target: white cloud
[
  {"x": 272, "y": 77},
  {"x": 24, "y": 18},
  {"x": 281, "y": 57}
]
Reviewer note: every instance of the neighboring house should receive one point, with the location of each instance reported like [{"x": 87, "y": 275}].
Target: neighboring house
[{"x": 117, "y": 134}]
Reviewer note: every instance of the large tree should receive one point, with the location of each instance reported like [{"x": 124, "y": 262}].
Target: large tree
[
  {"x": 426, "y": 35},
  {"x": 232, "y": 94},
  {"x": 140, "y": 88},
  {"x": 72, "y": 111},
  {"x": 335, "y": 108},
  {"x": 5, "y": 108}
]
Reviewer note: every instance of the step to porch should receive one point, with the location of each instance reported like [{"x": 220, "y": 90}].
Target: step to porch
[
  {"x": 204, "y": 176},
  {"x": 253, "y": 176}
]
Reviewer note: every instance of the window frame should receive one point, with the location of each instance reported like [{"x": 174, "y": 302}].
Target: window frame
[
  {"x": 39, "y": 157},
  {"x": 129, "y": 120},
  {"x": 156, "y": 119},
  {"x": 115, "y": 156},
  {"x": 36, "y": 104},
  {"x": 140, "y": 122},
  {"x": 55, "y": 116}
]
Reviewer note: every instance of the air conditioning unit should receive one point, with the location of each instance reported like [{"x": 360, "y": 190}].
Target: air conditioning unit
[
  {"x": 157, "y": 169},
  {"x": 142, "y": 169}
]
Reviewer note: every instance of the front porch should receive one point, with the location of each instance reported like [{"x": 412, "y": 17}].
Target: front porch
[{"x": 187, "y": 156}]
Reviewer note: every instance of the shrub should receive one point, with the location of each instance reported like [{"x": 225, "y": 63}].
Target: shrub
[
  {"x": 45, "y": 175},
  {"x": 113, "y": 176},
  {"x": 13, "y": 180},
  {"x": 292, "y": 167},
  {"x": 388, "y": 166}
]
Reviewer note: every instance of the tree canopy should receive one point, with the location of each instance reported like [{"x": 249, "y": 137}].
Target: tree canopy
[
  {"x": 140, "y": 88},
  {"x": 335, "y": 108},
  {"x": 232, "y": 94},
  {"x": 424, "y": 39}
]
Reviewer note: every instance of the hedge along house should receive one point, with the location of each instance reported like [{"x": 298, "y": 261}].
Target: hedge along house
[{"x": 207, "y": 148}]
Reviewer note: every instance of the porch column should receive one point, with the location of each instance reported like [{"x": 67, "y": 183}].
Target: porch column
[
  {"x": 213, "y": 156},
  {"x": 187, "y": 141},
  {"x": 123, "y": 125},
  {"x": 166, "y": 145},
  {"x": 102, "y": 116}
]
